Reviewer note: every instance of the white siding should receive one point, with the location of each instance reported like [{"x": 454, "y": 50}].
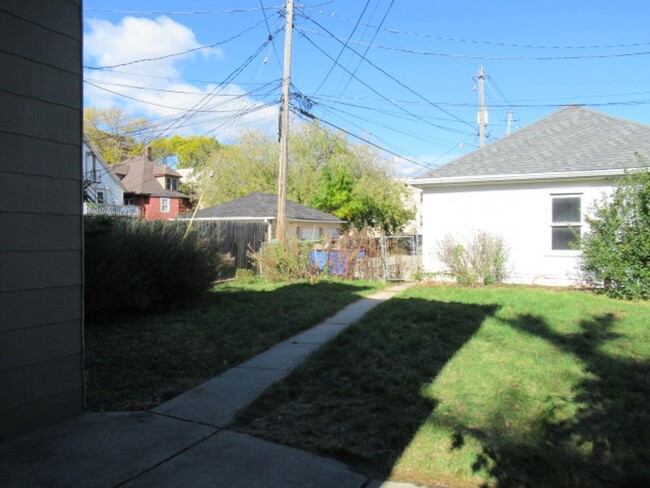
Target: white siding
[
  {"x": 518, "y": 212},
  {"x": 105, "y": 181}
]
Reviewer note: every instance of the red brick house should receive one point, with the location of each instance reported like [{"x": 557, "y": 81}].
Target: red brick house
[{"x": 152, "y": 186}]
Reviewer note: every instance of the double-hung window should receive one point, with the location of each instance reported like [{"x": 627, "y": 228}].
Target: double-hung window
[
  {"x": 164, "y": 205},
  {"x": 566, "y": 222}
]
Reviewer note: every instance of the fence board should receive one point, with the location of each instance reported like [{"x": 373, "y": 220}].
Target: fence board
[{"x": 236, "y": 238}]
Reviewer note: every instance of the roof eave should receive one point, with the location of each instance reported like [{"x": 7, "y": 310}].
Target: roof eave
[
  {"x": 264, "y": 219},
  {"x": 487, "y": 179}
]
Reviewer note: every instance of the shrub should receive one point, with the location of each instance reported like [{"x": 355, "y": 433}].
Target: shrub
[
  {"x": 483, "y": 259},
  {"x": 135, "y": 264},
  {"x": 616, "y": 250},
  {"x": 352, "y": 256},
  {"x": 285, "y": 261}
]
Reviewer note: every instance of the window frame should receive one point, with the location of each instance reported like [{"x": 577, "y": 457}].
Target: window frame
[
  {"x": 566, "y": 224},
  {"x": 171, "y": 183},
  {"x": 101, "y": 197},
  {"x": 165, "y": 203}
]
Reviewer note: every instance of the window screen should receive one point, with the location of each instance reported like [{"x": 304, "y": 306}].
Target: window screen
[{"x": 566, "y": 221}]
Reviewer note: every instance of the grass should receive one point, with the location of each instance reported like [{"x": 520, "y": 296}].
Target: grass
[
  {"x": 136, "y": 363},
  {"x": 498, "y": 386}
]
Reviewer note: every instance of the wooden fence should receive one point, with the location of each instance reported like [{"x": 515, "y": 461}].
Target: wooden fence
[{"x": 236, "y": 238}]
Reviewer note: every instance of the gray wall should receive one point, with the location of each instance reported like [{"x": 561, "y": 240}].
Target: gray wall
[{"x": 41, "y": 324}]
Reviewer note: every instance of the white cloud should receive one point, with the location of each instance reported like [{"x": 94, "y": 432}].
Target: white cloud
[
  {"x": 156, "y": 89},
  {"x": 139, "y": 38}
]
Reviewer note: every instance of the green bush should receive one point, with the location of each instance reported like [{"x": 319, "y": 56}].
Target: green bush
[
  {"x": 484, "y": 259},
  {"x": 286, "y": 261},
  {"x": 132, "y": 264},
  {"x": 616, "y": 251}
]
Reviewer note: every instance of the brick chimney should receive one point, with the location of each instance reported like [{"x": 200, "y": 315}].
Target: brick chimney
[{"x": 148, "y": 153}]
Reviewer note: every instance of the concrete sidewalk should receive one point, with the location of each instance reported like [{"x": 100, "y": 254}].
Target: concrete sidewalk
[{"x": 185, "y": 441}]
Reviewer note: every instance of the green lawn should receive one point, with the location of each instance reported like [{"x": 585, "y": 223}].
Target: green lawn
[
  {"x": 498, "y": 386},
  {"x": 136, "y": 363}
]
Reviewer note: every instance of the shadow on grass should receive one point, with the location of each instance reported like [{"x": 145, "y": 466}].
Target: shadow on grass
[
  {"x": 136, "y": 362},
  {"x": 359, "y": 398},
  {"x": 606, "y": 442}
]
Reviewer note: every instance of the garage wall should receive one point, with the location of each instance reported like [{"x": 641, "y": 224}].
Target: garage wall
[{"x": 518, "y": 212}]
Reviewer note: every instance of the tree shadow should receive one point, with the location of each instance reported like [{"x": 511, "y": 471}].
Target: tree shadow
[
  {"x": 606, "y": 442},
  {"x": 359, "y": 399}
]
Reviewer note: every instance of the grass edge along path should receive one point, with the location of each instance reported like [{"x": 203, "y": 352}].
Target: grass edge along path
[
  {"x": 497, "y": 386},
  {"x": 137, "y": 363}
]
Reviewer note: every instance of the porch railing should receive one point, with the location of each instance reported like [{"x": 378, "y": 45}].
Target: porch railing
[{"x": 111, "y": 210}]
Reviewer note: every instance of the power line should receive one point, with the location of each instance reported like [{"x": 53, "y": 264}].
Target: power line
[
  {"x": 488, "y": 58},
  {"x": 167, "y": 12},
  {"x": 379, "y": 94},
  {"x": 180, "y": 109},
  {"x": 271, "y": 38},
  {"x": 309, "y": 116},
  {"x": 487, "y": 42},
  {"x": 338, "y": 56},
  {"x": 211, "y": 95},
  {"x": 167, "y": 56},
  {"x": 368, "y": 47},
  {"x": 179, "y": 92},
  {"x": 385, "y": 73}
]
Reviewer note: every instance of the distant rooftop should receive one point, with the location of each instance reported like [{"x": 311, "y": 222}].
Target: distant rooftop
[
  {"x": 262, "y": 206},
  {"x": 139, "y": 176}
]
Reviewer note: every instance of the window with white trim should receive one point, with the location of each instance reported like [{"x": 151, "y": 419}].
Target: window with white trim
[
  {"x": 164, "y": 205},
  {"x": 566, "y": 222},
  {"x": 101, "y": 196}
]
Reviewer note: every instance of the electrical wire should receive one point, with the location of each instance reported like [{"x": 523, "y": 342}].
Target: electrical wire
[
  {"x": 487, "y": 42},
  {"x": 166, "y": 12},
  {"x": 211, "y": 95},
  {"x": 268, "y": 28},
  {"x": 354, "y": 72},
  {"x": 488, "y": 58},
  {"x": 167, "y": 56},
  {"x": 307, "y": 116},
  {"x": 379, "y": 94},
  {"x": 345, "y": 44},
  {"x": 385, "y": 73}
]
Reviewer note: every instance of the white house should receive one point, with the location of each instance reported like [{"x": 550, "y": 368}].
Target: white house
[
  {"x": 533, "y": 188},
  {"x": 103, "y": 192}
]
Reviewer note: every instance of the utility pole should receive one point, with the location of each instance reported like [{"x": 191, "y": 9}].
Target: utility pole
[
  {"x": 284, "y": 127},
  {"x": 482, "y": 117},
  {"x": 509, "y": 121}
]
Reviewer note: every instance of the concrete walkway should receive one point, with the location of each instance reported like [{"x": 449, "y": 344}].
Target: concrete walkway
[{"x": 185, "y": 441}]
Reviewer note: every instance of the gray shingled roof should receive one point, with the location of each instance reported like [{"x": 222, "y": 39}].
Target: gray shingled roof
[
  {"x": 572, "y": 139},
  {"x": 140, "y": 177},
  {"x": 262, "y": 206}
]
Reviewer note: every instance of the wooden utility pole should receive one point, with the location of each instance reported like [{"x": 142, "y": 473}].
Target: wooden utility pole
[
  {"x": 284, "y": 127},
  {"x": 482, "y": 117}
]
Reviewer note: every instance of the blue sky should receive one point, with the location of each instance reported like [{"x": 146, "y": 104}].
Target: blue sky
[{"x": 403, "y": 76}]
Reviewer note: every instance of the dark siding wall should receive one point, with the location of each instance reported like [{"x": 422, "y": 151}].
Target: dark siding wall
[{"x": 41, "y": 258}]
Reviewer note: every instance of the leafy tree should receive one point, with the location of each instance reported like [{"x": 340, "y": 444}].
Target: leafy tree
[
  {"x": 115, "y": 134},
  {"x": 184, "y": 152},
  {"x": 616, "y": 251},
  {"x": 325, "y": 171}
]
